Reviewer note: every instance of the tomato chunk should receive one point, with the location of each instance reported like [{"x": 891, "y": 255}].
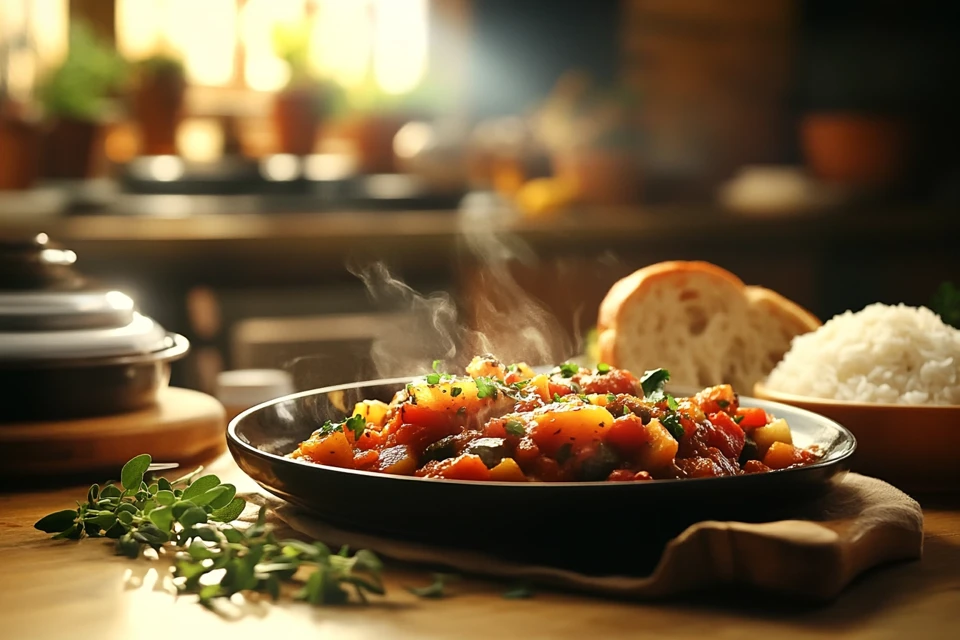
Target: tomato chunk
[
  {"x": 726, "y": 435},
  {"x": 752, "y": 417},
  {"x": 627, "y": 434}
]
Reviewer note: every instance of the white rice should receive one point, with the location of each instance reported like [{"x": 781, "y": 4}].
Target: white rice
[{"x": 885, "y": 354}]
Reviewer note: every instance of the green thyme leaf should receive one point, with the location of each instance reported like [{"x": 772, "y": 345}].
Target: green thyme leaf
[
  {"x": 557, "y": 398},
  {"x": 603, "y": 367},
  {"x": 433, "y": 378},
  {"x": 611, "y": 397},
  {"x": 131, "y": 476},
  {"x": 455, "y": 391},
  {"x": 672, "y": 403},
  {"x": 57, "y": 522}
]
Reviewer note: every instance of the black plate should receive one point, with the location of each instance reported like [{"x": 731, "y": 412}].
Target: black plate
[{"x": 597, "y": 527}]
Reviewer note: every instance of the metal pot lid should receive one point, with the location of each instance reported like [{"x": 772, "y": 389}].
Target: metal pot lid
[
  {"x": 64, "y": 310},
  {"x": 140, "y": 335}
]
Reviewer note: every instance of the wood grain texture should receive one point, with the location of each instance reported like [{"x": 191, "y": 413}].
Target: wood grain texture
[
  {"x": 53, "y": 590},
  {"x": 184, "y": 426}
]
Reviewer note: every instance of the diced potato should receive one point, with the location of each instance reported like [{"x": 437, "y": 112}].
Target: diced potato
[
  {"x": 599, "y": 399},
  {"x": 576, "y": 424},
  {"x": 398, "y": 460},
  {"x": 661, "y": 450},
  {"x": 541, "y": 383},
  {"x": 486, "y": 366},
  {"x": 444, "y": 399},
  {"x": 781, "y": 455},
  {"x": 507, "y": 471},
  {"x": 373, "y": 411},
  {"x": 333, "y": 450},
  {"x": 465, "y": 467},
  {"x": 776, "y": 431}
]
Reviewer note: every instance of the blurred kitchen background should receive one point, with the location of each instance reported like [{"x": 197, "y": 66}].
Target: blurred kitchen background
[{"x": 228, "y": 162}]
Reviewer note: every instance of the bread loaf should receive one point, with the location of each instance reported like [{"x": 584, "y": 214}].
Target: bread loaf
[{"x": 699, "y": 321}]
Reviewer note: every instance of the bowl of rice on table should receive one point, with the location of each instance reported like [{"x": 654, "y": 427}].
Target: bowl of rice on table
[{"x": 891, "y": 375}]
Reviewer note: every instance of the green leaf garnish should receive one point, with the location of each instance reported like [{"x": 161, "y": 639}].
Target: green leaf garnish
[
  {"x": 436, "y": 366},
  {"x": 191, "y": 520},
  {"x": 611, "y": 397},
  {"x": 357, "y": 424},
  {"x": 514, "y": 428},
  {"x": 603, "y": 367},
  {"x": 738, "y": 419},
  {"x": 568, "y": 369},
  {"x": 672, "y": 423},
  {"x": 654, "y": 380},
  {"x": 455, "y": 391},
  {"x": 672, "y": 403},
  {"x": 486, "y": 387},
  {"x": 433, "y": 378},
  {"x": 557, "y": 398}
]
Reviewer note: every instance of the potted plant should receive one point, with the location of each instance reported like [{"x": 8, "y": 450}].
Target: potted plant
[
  {"x": 158, "y": 102},
  {"x": 300, "y": 107},
  {"x": 74, "y": 96}
]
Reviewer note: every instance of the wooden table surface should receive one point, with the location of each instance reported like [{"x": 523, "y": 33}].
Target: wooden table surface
[{"x": 53, "y": 589}]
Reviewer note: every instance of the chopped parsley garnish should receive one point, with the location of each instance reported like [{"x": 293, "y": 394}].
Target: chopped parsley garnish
[
  {"x": 455, "y": 391},
  {"x": 603, "y": 367},
  {"x": 557, "y": 398},
  {"x": 514, "y": 428},
  {"x": 511, "y": 367},
  {"x": 672, "y": 402},
  {"x": 723, "y": 404},
  {"x": 356, "y": 424},
  {"x": 672, "y": 423},
  {"x": 564, "y": 452},
  {"x": 584, "y": 398},
  {"x": 738, "y": 419},
  {"x": 626, "y": 410},
  {"x": 486, "y": 388},
  {"x": 654, "y": 380},
  {"x": 520, "y": 384},
  {"x": 568, "y": 369},
  {"x": 611, "y": 397},
  {"x": 433, "y": 378}
]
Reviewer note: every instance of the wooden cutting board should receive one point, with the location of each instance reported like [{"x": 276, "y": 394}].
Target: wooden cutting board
[
  {"x": 184, "y": 426},
  {"x": 810, "y": 552}
]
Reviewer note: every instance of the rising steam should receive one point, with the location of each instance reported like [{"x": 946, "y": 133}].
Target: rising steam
[{"x": 506, "y": 321}]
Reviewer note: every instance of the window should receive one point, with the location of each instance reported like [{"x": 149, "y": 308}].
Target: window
[{"x": 229, "y": 43}]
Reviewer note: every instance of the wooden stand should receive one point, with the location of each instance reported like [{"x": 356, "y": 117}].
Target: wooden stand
[{"x": 185, "y": 427}]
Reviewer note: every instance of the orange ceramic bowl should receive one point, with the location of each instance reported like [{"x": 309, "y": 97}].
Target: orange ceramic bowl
[{"x": 913, "y": 447}]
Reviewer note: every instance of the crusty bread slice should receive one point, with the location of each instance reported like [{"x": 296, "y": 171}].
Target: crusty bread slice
[{"x": 700, "y": 322}]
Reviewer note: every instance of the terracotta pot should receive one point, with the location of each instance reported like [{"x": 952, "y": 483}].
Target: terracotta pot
[
  {"x": 19, "y": 154},
  {"x": 372, "y": 136},
  {"x": 157, "y": 105},
  {"x": 604, "y": 177},
  {"x": 68, "y": 149},
  {"x": 296, "y": 119},
  {"x": 855, "y": 149}
]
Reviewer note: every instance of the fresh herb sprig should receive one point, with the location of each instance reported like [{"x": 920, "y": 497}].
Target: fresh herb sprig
[
  {"x": 946, "y": 304},
  {"x": 190, "y": 517}
]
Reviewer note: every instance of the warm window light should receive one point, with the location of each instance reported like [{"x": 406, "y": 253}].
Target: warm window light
[
  {"x": 263, "y": 70},
  {"x": 44, "y": 22},
  {"x": 400, "y": 44},
  {"x": 342, "y": 40}
]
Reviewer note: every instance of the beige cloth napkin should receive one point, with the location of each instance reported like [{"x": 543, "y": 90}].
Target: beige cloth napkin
[{"x": 814, "y": 552}]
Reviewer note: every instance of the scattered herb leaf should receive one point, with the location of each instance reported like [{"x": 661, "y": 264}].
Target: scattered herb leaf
[
  {"x": 455, "y": 391},
  {"x": 946, "y": 304},
  {"x": 603, "y": 367},
  {"x": 557, "y": 398},
  {"x": 518, "y": 592},
  {"x": 738, "y": 419},
  {"x": 192, "y": 519},
  {"x": 433, "y": 378},
  {"x": 611, "y": 397},
  {"x": 653, "y": 380},
  {"x": 672, "y": 423},
  {"x": 435, "y": 589},
  {"x": 568, "y": 369},
  {"x": 514, "y": 428},
  {"x": 357, "y": 424},
  {"x": 486, "y": 387},
  {"x": 672, "y": 403}
]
